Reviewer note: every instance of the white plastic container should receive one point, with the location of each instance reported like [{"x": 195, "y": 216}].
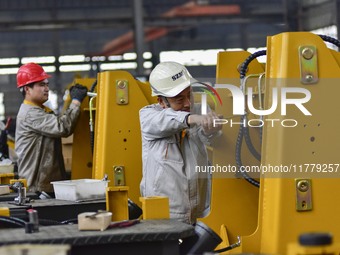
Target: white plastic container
[{"x": 78, "y": 190}]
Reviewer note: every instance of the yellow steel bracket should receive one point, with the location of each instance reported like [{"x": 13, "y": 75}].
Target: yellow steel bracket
[
  {"x": 156, "y": 207},
  {"x": 119, "y": 175},
  {"x": 303, "y": 195},
  {"x": 117, "y": 202},
  {"x": 122, "y": 92},
  {"x": 308, "y": 64}
]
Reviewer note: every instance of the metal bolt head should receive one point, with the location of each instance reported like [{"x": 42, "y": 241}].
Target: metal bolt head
[
  {"x": 118, "y": 169},
  {"x": 307, "y": 53},
  {"x": 122, "y": 100},
  {"x": 309, "y": 78},
  {"x": 121, "y": 84},
  {"x": 303, "y": 186}
]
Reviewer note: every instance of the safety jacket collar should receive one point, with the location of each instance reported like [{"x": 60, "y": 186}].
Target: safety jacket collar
[{"x": 45, "y": 108}]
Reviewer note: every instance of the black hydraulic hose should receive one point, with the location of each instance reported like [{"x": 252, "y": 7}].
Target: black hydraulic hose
[
  {"x": 244, "y": 66},
  {"x": 244, "y": 129},
  {"x": 12, "y": 221},
  {"x": 249, "y": 142},
  {"x": 239, "y": 164},
  {"x": 329, "y": 39},
  {"x": 93, "y": 86},
  {"x": 243, "y": 71},
  {"x": 8, "y": 223}
]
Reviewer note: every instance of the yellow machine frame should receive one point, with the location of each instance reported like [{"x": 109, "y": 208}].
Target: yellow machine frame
[
  {"x": 281, "y": 216},
  {"x": 270, "y": 218},
  {"x": 117, "y": 140}
]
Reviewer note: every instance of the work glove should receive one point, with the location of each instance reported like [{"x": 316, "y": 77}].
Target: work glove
[{"x": 78, "y": 92}]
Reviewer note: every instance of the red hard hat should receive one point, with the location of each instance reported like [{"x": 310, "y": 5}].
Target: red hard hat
[{"x": 29, "y": 73}]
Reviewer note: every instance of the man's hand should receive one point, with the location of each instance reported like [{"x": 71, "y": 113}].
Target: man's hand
[
  {"x": 78, "y": 92},
  {"x": 206, "y": 121}
]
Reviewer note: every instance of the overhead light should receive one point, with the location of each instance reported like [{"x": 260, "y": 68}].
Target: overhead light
[
  {"x": 39, "y": 27},
  {"x": 39, "y": 60}
]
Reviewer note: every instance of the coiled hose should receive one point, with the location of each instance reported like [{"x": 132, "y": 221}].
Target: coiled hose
[
  {"x": 244, "y": 130},
  {"x": 329, "y": 39}
]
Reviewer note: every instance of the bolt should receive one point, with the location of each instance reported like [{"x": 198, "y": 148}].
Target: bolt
[
  {"x": 309, "y": 78},
  {"x": 303, "y": 186},
  {"x": 118, "y": 169},
  {"x": 121, "y": 84},
  {"x": 307, "y": 53},
  {"x": 122, "y": 100}
]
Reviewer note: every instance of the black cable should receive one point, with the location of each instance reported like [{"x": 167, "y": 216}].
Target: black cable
[
  {"x": 244, "y": 130},
  {"x": 249, "y": 142},
  {"x": 228, "y": 248},
  {"x": 243, "y": 70},
  {"x": 244, "y": 66},
  {"x": 239, "y": 164},
  {"x": 93, "y": 86},
  {"x": 329, "y": 39},
  {"x": 12, "y": 221},
  {"x": 70, "y": 221}
]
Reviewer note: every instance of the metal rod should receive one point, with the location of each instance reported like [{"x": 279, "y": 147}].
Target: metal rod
[{"x": 139, "y": 34}]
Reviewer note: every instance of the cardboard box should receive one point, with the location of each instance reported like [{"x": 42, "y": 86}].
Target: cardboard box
[
  {"x": 35, "y": 249},
  {"x": 67, "y": 143},
  {"x": 94, "y": 221}
]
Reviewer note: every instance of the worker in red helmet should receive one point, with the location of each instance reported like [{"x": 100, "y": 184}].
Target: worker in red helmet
[{"x": 39, "y": 130}]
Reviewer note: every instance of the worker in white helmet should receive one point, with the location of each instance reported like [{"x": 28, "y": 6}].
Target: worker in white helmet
[{"x": 173, "y": 139}]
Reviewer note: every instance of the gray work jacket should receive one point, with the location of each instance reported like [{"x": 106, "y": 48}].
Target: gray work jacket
[
  {"x": 38, "y": 144},
  {"x": 169, "y": 162}
]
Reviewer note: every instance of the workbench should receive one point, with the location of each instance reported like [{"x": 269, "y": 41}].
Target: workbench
[
  {"x": 159, "y": 237},
  {"x": 54, "y": 209}
]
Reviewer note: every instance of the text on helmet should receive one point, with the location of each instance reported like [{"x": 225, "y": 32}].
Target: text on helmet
[{"x": 177, "y": 75}]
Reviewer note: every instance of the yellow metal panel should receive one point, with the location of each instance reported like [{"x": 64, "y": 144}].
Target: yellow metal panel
[
  {"x": 6, "y": 177},
  {"x": 155, "y": 207},
  {"x": 117, "y": 202},
  {"x": 234, "y": 201},
  {"x": 118, "y": 134},
  {"x": 81, "y": 148},
  {"x": 4, "y": 211},
  {"x": 314, "y": 140}
]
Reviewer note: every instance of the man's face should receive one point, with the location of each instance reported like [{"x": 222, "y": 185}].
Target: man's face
[
  {"x": 38, "y": 94},
  {"x": 181, "y": 102}
]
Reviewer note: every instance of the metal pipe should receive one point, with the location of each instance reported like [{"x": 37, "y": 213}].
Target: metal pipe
[{"x": 139, "y": 34}]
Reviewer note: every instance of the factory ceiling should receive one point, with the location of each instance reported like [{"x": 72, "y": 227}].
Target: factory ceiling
[{"x": 114, "y": 27}]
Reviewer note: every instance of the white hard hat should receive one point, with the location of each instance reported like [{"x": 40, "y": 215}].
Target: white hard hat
[{"x": 169, "y": 79}]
